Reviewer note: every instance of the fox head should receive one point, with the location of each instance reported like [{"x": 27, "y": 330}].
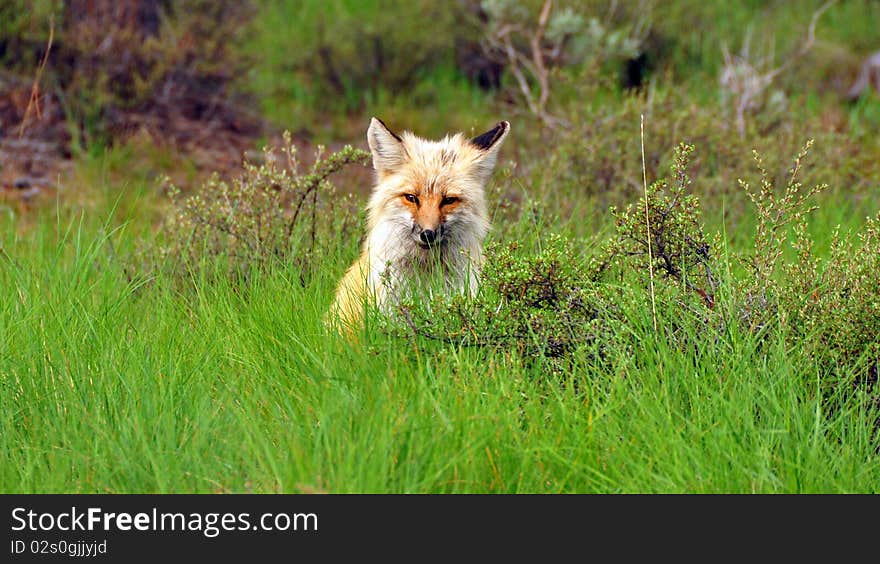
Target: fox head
[{"x": 430, "y": 194}]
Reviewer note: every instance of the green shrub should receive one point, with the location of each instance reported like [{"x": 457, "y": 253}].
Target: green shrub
[
  {"x": 831, "y": 307},
  {"x": 275, "y": 211},
  {"x": 675, "y": 248},
  {"x": 540, "y": 305},
  {"x": 774, "y": 211},
  {"x": 558, "y": 300},
  {"x": 598, "y": 162}
]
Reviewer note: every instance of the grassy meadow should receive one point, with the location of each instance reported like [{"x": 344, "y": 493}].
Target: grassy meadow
[{"x": 128, "y": 367}]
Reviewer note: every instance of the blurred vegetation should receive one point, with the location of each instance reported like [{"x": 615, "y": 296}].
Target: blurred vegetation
[
  {"x": 318, "y": 68},
  {"x": 163, "y": 66},
  {"x": 318, "y": 62}
]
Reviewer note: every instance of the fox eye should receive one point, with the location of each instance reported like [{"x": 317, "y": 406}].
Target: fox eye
[
  {"x": 411, "y": 198},
  {"x": 448, "y": 200}
]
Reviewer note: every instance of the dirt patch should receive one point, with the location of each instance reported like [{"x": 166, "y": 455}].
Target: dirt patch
[{"x": 32, "y": 154}]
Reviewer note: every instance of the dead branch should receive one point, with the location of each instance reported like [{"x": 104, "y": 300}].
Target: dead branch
[
  {"x": 529, "y": 67},
  {"x": 34, "y": 101},
  {"x": 868, "y": 75},
  {"x": 748, "y": 81},
  {"x": 806, "y": 45}
]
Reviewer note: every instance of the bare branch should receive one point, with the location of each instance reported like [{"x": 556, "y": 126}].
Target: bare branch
[
  {"x": 745, "y": 79},
  {"x": 807, "y": 44},
  {"x": 520, "y": 77},
  {"x": 868, "y": 74},
  {"x": 34, "y": 101},
  {"x": 538, "y": 54},
  {"x": 529, "y": 66}
]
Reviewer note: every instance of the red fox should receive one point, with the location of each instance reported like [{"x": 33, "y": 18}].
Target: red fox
[{"x": 426, "y": 217}]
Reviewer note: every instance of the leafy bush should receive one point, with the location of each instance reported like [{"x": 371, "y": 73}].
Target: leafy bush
[
  {"x": 556, "y": 301},
  {"x": 663, "y": 234},
  {"x": 540, "y": 305},
  {"x": 274, "y": 211},
  {"x": 775, "y": 212},
  {"x": 598, "y": 162},
  {"x": 831, "y": 308}
]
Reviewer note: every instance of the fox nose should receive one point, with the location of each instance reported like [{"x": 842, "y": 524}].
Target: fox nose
[{"x": 428, "y": 236}]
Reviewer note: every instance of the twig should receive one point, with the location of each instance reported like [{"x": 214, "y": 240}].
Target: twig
[
  {"x": 520, "y": 78},
  {"x": 648, "y": 226},
  {"x": 808, "y": 43},
  {"x": 747, "y": 81},
  {"x": 529, "y": 64},
  {"x": 538, "y": 53},
  {"x": 34, "y": 101},
  {"x": 418, "y": 331},
  {"x": 870, "y": 72}
]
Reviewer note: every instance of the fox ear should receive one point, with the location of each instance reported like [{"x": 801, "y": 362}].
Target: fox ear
[
  {"x": 489, "y": 143},
  {"x": 388, "y": 151}
]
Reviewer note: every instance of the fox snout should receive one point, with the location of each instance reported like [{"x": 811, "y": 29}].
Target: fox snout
[
  {"x": 427, "y": 237},
  {"x": 429, "y": 212}
]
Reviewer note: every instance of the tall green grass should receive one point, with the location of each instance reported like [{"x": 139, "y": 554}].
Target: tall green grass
[{"x": 113, "y": 383}]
